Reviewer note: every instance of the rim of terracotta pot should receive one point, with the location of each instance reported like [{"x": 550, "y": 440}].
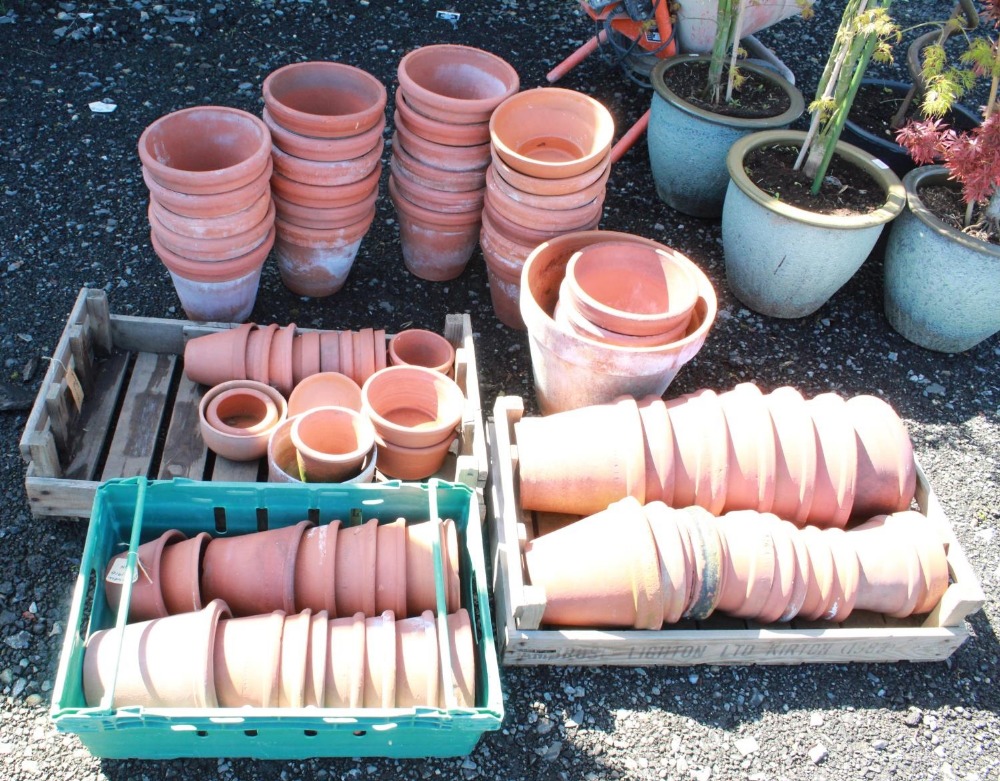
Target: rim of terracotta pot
[
  {"x": 258, "y": 360},
  {"x": 147, "y": 600},
  {"x": 527, "y": 235},
  {"x": 564, "y": 186},
  {"x": 420, "y": 76},
  {"x": 421, "y": 347},
  {"x": 327, "y": 113},
  {"x": 174, "y": 146},
  {"x": 283, "y": 466},
  {"x": 552, "y": 220},
  {"x": 324, "y": 389},
  {"x": 318, "y": 237},
  {"x": 429, "y": 217},
  {"x": 265, "y": 417},
  {"x": 214, "y": 205},
  {"x": 432, "y": 176},
  {"x": 895, "y": 194},
  {"x": 436, "y": 200},
  {"x": 279, "y": 360},
  {"x": 213, "y": 250},
  {"x": 323, "y": 149},
  {"x": 412, "y": 463},
  {"x": 307, "y": 440},
  {"x": 212, "y": 227},
  {"x": 570, "y": 107},
  {"x": 448, "y": 133},
  {"x": 326, "y": 196},
  {"x": 448, "y": 402},
  {"x": 214, "y": 271},
  {"x": 794, "y": 110},
  {"x": 329, "y": 218},
  {"x": 327, "y": 173},
  {"x": 561, "y": 202},
  {"x": 241, "y": 444},
  {"x": 446, "y": 156}
]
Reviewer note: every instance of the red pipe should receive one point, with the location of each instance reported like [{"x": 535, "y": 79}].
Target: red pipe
[
  {"x": 588, "y": 48},
  {"x": 631, "y": 136}
]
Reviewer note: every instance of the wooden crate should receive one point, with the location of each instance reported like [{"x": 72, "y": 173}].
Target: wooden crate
[
  {"x": 721, "y": 639},
  {"x": 115, "y": 403}
]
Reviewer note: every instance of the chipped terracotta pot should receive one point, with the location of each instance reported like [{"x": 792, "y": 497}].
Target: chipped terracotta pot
[
  {"x": 205, "y": 150},
  {"x": 332, "y": 443},
  {"x": 237, "y": 418},
  {"x": 453, "y": 83},
  {"x": 420, "y": 347},
  {"x": 551, "y": 133},
  {"x": 210, "y": 206},
  {"x": 324, "y": 149},
  {"x": 315, "y": 262},
  {"x": 324, "y": 99}
]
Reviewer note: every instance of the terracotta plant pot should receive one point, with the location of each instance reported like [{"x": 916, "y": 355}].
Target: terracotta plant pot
[
  {"x": 571, "y": 199},
  {"x": 236, "y": 223},
  {"x": 421, "y": 591},
  {"x": 147, "y": 600},
  {"x": 323, "y": 149},
  {"x": 419, "y": 347},
  {"x": 217, "y": 357},
  {"x": 458, "y": 84},
  {"x": 163, "y": 663},
  {"x": 332, "y": 443},
  {"x": 345, "y": 662},
  {"x": 316, "y": 655},
  {"x": 571, "y": 370},
  {"x": 315, "y": 569},
  {"x": 535, "y": 185},
  {"x": 224, "y": 247},
  {"x": 548, "y": 221},
  {"x": 247, "y": 660},
  {"x": 504, "y": 261},
  {"x": 327, "y": 173},
  {"x": 413, "y": 406},
  {"x": 318, "y": 196},
  {"x": 380, "y": 661},
  {"x": 390, "y": 568},
  {"x": 412, "y": 463},
  {"x": 450, "y": 133},
  {"x": 355, "y": 568},
  {"x": 461, "y": 689},
  {"x": 328, "y": 218},
  {"x": 315, "y": 262},
  {"x": 205, "y": 149},
  {"x": 551, "y": 133},
  {"x": 324, "y": 389},
  {"x": 324, "y": 99},
  {"x": 238, "y": 417},
  {"x": 279, "y": 360},
  {"x": 258, "y": 357},
  {"x": 424, "y": 173},
  {"x": 268, "y": 585},
  {"x": 296, "y": 634},
  {"x": 445, "y": 201},
  {"x": 417, "y": 665},
  {"x": 459, "y": 159},
  {"x": 283, "y": 464},
  {"x": 210, "y": 206},
  {"x": 306, "y": 356},
  {"x": 180, "y": 574}
]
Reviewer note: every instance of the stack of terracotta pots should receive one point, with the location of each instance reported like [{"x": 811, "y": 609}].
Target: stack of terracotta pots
[
  {"x": 283, "y": 356},
  {"x": 551, "y": 158},
  {"x": 366, "y": 568},
  {"x": 645, "y": 566},
  {"x": 206, "y": 659},
  {"x": 210, "y": 211},
  {"x": 821, "y": 461},
  {"x": 440, "y": 151},
  {"x": 415, "y": 411},
  {"x": 326, "y": 121}
]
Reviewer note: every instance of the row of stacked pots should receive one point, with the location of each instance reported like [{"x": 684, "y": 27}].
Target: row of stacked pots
[
  {"x": 208, "y": 659},
  {"x": 333, "y": 426},
  {"x": 343, "y": 569},
  {"x": 643, "y": 566}
]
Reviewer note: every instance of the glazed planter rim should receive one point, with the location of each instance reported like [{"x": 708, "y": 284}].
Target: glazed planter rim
[
  {"x": 794, "y": 110},
  {"x": 201, "y": 181},
  {"x": 895, "y": 195},
  {"x": 362, "y": 120},
  {"x": 938, "y": 174}
]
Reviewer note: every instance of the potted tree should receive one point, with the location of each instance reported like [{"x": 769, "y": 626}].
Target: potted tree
[
  {"x": 942, "y": 262},
  {"x": 803, "y": 209},
  {"x": 701, "y": 104}
]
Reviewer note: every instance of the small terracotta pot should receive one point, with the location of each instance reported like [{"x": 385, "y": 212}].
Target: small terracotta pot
[
  {"x": 380, "y": 661},
  {"x": 316, "y": 262},
  {"x": 283, "y": 464},
  {"x": 319, "y": 642},
  {"x": 413, "y": 406},
  {"x": 332, "y": 443},
  {"x": 321, "y": 173},
  {"x": 886, "y": 472},
  {"x": 147, "y": 600},
  {"x": 417, "y": 664},
  {"x": 224, "y": 247},
  {"x": 551, "y": 133},
  {"x": 559, "y": 202},
  {"x": 795, "y": 454},
  {"x": 658, "y": 453},
  {"x": 676, "y": 569},
  {"x": 318, "y": 196},
  {"x": 180, "y": 574},
  {"x": 163, "y": 663},
  {"x": 454, "y": 83},
  {"x": 324, "y": 389},
  {"x": 412, "y": 463},
  {"x": 461, "y": 159},
  {"x": 279, "y": 360},
  {"x": 237, "y": 418},
  {"x": 323, "y": 150},
  {"x": 355, "y": 568},
  {"x": 324, "y": 99},
  {"x": 633, "y": 290},
  {"x": 750, "y": 566},
  {"x": 449, "y": 133},
  {"x": 419, "y": 347},
  {"x": 752, "y": 470},
  {"x": 836, "y": 461},
  {"x": 217, "y": 357},
  {"x": 258, "y": 357},
  {"x": 329, "y": 352},
  {"x": 296, "y": 633},
  {"x": 364, "y": 354},
  {"x": 315, "y": 569},
  {"x": 431, "y": 176},
  {"x": 421, "y": 591},
  {"x": 345, "y": 662},
  {"x": 565, "y": 186},
  {"x": 268, "y": 585},
  {"x": 436, "y": 246},
  {"x": 432, "y": 199},
  {"x": 390, "y": 568},
  {"x": 204, "y": 206},
  {"x": 239, "y": 222},
  {"x": 247, "y": 660},
  {"x": 326, "y": 218},
  {"x": 205, "y": 149}
]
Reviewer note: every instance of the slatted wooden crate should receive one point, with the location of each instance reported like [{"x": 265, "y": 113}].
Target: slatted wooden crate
[
  {"x": 523, "y": 640},
  {"x": 115, "y": 403}
]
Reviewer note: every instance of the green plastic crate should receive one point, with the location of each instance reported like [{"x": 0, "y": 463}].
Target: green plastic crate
[{"x": 128, "y": 512}]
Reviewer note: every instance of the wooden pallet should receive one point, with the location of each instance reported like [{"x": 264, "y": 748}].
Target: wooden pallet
[
  {"x": 115, "y": 403},
  {"x": 871, "y": 637}
]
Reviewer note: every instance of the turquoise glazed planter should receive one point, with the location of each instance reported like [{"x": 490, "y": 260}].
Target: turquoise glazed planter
[
  {"x": 688, "y": 145},
  {"x": 942, "y": 287}
]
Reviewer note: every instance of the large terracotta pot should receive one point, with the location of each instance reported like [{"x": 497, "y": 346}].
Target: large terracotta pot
[{"x": 412, "y": 406}]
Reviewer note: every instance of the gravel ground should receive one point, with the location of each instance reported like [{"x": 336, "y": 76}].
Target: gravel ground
[{"x": 73, "y": 208}]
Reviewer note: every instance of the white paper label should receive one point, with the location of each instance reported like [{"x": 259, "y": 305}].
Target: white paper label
[{"x": 116, "y": 573}]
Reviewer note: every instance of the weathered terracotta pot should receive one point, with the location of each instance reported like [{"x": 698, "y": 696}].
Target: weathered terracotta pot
[
  {"x": 327, "y": 173},
  {"x": 204, "y": 206},
  {"x": 551, "y": 187},
  {"x": 571, "y": 370},
  {"x": 445, "y": 201},
  {"x": 238, "y": 417},
  {"x": 676, "y": 566},
  {"x": 551, "y": 133},
  {"x": 205, "y": 149},
  {"x": 318, "y": 196},
  {"x": 324, "y": 389},
  {"x": 163, "y": 663},
  {"x": 412, "y": 406},
  {"x": 224, "y": 247},
  {"x": 380, "y": 661},
  {"x": 315, "y": 262},
  {"x": 528, "y": 235},
  {"x": 450, "y": 133},
  {"x": 315, "y": 569},
  {"x": 417, "y": 665},
  {"x": 247, "y": 660},
  {"x": 324, "y": 149},
  {"x": 420, "y": 347},
  {"x": 283, "y": 464},
  {"x": 330, "y": 218},
  {"x": 570, "y": 200},
  {"x": 428, "y": 175},
  {"x": 147, "y": 600},
  {"x": 345, "y": 662},
  {"x": 226, "y": 225},
  {"x": 551, "y": 221},
  {"x": 504, "y": 260},
  {"x": 458, "y": 84},
  {"x": 332, "y": 443},
  {"x": 444, "y": 156},
  {"x": 324, "y": 99},
  {"x": 266, "y": 586},
  {"x": 436, "y": 246},
  {"x": 355, "y": 568}
]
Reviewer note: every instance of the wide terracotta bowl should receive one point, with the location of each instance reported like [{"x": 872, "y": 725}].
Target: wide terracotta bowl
[
  {"x": 237, "y": 418},
  {"x": 413, "y": 406}
]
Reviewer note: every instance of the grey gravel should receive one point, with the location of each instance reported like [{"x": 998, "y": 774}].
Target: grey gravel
[{"x": 73, "y": 207}]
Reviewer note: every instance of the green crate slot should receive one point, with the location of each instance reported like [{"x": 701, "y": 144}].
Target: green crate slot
[{"x": 129, "y": 512}]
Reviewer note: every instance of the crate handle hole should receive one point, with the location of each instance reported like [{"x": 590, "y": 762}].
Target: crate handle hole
[
  {"x": 310, "y": 733},
  {"x": 220, "y": 519},
  {"x": 313, "y": 515},
  {"x": 262, "y": 519},
  {"x": 360, "y": 732},
  {"x": 201, "y": 733},
  {"x": 250, "y": 733}
]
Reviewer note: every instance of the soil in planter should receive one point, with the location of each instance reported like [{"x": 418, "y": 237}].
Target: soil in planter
[
  {"x": 875, "y": 106},
  {"x": 846, "y": 190},
  {"x": 945, "y": 202},
  {"x": 755, "y": 98}
]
